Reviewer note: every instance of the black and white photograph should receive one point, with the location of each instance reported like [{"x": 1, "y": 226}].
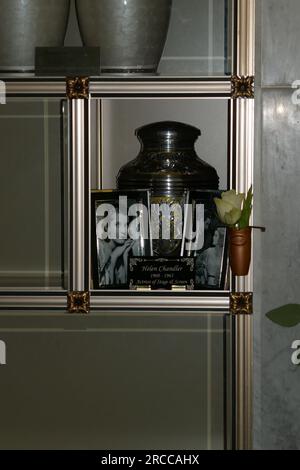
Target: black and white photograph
[
  {"x": 206, "y": 240},
  {"x": 120, "y": 230}
]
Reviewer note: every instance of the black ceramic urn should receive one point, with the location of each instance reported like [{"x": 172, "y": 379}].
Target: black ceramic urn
[{"x": 167, "y": 163}]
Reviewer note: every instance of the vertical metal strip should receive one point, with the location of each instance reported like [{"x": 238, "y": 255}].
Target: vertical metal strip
[
  {"x": 232, "y": 159},
  {"x": 79, "y": 196},
  {"x": 47, "y": 277},
  {"x": 99, "y": 144},
  {"x": 243, "y": 173},
  {"x": 244, "y": 169},
  {"x": 244, "y": 386},
  {"x": 245, "y": 37}
]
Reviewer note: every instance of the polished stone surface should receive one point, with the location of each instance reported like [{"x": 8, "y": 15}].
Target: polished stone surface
[
  {"x": 277, "y": 385},
  {"x": 280, "y": 41},
  {"x": 280, "y": 198},
  {"x": 281, "y": 389},
  {"x": 277, "y": 252}
]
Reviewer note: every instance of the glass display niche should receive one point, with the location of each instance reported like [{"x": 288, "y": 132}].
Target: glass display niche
[
  {"x": 199, "y": 40},
  {"x": 116, "y": 263},
  {"x": 33, "y": 236}
]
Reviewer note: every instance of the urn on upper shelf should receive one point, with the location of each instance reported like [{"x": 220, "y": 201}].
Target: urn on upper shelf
[
  {"x": 130, "y": 33},
  {"x": 28, "y": 24}
]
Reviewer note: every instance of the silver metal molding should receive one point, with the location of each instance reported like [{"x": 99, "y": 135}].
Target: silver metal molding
[
  {"x": 242, "y": 167},
  {"x": 242, "y": 172},
  {"x": 119, "y": 302},
  {"x": 243, "y": 385},
  {"x": 160, "y": 302},
  {"x": 33, "y": 301},
  {"x": 245, "y": 38},
  {"x": 79, "y": 195},
  {"x": 38, "y": 87},
  {"x": 165, "y": 88}
]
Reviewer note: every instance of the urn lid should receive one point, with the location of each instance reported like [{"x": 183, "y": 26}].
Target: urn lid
[
  {"x": 167, "y": 162},
  {"x": 168, "y": 134}
]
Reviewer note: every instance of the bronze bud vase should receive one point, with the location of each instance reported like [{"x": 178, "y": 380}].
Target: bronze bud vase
[{"x": 240, "y": 250}]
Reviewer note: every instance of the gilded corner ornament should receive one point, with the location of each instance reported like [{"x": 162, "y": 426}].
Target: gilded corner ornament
[
  {"x": 242, "y": 87},
  {"x": 78, "y": 88},
  {"x": 241, "y": 303},
  {"x": 78, "y": 302}
]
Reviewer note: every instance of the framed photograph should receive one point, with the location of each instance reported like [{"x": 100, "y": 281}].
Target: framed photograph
[
  {"x": 206, "y": 240},
  {"x": 120, "y": 227}
]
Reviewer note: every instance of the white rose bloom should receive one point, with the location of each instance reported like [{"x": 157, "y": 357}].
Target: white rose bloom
[
  {"x": 229, "y": 208},
  {"x": 231, "y": 197}
]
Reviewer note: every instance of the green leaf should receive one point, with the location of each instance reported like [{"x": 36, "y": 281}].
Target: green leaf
[
  {"x": 287, "y": 315},
  {"x": 246, "y": 212}
]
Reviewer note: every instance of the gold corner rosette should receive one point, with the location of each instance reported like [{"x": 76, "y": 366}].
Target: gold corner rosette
[
  {"x": 77, "y": 88},
  {"x": 241, "y": 303},
  {"x": 242, "y": 87},
  {"x": 79, "y": 302}
]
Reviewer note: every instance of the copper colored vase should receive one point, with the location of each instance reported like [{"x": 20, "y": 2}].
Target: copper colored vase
[{"x": 240, "y": 251}]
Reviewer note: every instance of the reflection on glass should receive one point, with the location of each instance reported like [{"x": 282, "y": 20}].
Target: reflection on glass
[
  {"x": 164, "y": 382},
  {"x": 31, "y": 186},
  {"x": 120, "y": 118},
  {"x": 199, "y": 40}
]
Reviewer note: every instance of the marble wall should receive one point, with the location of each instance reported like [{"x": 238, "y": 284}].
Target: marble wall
[{"x": 277, "y": 380}]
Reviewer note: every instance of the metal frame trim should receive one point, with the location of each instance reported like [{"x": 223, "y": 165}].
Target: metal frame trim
[
  {"x": 38, "y": 301},
  {"x": 160, "y": 302},
  {"x": 242, "y": 173},
  {"x": 119, "y": 302},
  {"x": 121, "y": 88},
  {"x": 79, "y": 196},
  {"x": 245, "y": 61},
  {"x": 244, "y": 381}
]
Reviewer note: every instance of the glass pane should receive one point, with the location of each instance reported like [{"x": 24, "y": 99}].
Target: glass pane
[
  {"x": 121, "y": 118},
  {"x": 119, "y": 144},
  {"x": 198, "y": 37},
  {"x": 160, "y": 381},
  {"x": 31, "y": 195}
]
